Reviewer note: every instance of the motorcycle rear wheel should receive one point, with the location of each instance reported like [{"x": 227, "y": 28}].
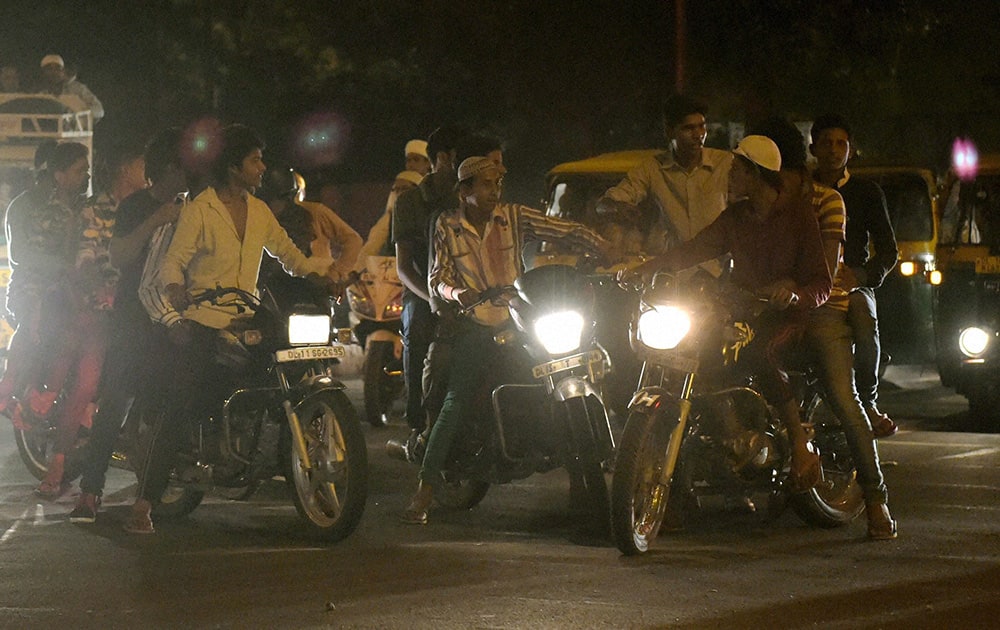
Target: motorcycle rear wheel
[
  {"x": 331, "y": 496},
  {"x": 638, "y": 500},
  {"x": 178, "y": 499},
  {"x": 838, "y": 500},
  {"x": 34, "y": 445}
]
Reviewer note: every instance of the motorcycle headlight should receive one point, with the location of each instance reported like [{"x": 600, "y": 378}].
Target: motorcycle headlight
[
  {"x": 304, "y": 330},
  {"x": 973, "y": 341},
  {"x": 663, "y": 327},
  {"x": 559, "y": 333}
]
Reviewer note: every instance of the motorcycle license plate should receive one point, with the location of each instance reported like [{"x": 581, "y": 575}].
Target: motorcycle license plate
[
  {"x": 988, "y": 264},
  {"x": 568, "y": 363},
  {"x": 674, "y": 361},
  {"x": 309, "y": 354}
]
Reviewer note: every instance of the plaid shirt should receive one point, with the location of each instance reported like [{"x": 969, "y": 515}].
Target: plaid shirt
[{"x": 464, "y": 260}]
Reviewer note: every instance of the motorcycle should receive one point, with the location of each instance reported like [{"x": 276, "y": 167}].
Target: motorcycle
[
  {"x": 697, "y": 427},
  {"x": 286, "y": 416},
  {"x": 376, "y": 299},
  {"x": 546, "y": 411}
]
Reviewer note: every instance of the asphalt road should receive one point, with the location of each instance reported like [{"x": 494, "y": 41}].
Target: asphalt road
[{"x": 521, "y": 559}]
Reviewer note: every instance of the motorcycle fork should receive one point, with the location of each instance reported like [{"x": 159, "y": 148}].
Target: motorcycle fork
[
  {"x": 298, "y": 440},
  {"x": 677, "y": 435}
]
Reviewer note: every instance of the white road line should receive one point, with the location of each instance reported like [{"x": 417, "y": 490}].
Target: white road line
[
  {"x": 10, "y": 530},
  {"x": 975, "y": 453}
]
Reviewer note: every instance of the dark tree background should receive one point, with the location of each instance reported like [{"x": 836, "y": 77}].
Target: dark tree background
[{"x": 340, "y": 85}]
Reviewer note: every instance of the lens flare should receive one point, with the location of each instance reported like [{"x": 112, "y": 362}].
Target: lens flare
[
  {"x": 320, "y": 140},
  {"x": 200, "y": 145},
  {"x": 965, "y": 159}
]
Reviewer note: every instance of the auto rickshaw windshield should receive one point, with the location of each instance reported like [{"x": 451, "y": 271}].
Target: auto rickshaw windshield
[{"x": 972, "y": 213}]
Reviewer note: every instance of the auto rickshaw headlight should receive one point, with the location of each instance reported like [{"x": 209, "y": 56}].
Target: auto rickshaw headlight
[
  {"x": 935, "y": 277},
  {"x": 973, "y": 341},
  {"x": 907, "y": 268}
]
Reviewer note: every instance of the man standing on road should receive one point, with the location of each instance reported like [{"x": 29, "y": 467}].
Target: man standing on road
[
  {"x": 411, "y": 229},
  {"x": 127, "y": 368},
  {"x": 688, "y": 181},
  {"x": 867, "y": 220}
]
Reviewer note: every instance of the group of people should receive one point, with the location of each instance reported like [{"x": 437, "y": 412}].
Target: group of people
[
  {"x": 798, "y": 237},
  {"x": 123, "y": 267}
]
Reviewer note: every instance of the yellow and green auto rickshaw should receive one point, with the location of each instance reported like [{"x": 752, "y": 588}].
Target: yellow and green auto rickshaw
[{"x": 967, "y": 298}]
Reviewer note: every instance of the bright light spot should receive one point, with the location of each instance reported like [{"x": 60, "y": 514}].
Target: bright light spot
[
  {"x": 935, "y": 277},
  {"x": 320, "y": 139},
  {"x": 908, "y": 268},
  {"x": 973, "y": 341},
  {"x": 200, "y": 145},
  {"x": 964, "y": 159}
]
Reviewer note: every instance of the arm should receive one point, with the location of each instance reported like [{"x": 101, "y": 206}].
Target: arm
[
  {"x": 443, "y": 280},
  {"x": 536, "y": 226},
  {"x": 629, "y": 192},
  {"x": 710, "y": 243},
  {"x": 125, "y": 249},
  {"x": 281, "y": 246},
  {"x": 151, "y": 294},
  {"x": 377, "y": 238},
  {"x": 409, "y": 275},
  {"x": 884, "y": 239},
  {"x": 813, "y": 281},
  {"x": 832, "y": 219}
]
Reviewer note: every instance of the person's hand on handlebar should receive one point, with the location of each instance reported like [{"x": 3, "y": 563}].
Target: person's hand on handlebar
[
  {"x": 178, "y": 297},
  {"x": 468, "y": 297},
  {"x": 780, "y": 296}
]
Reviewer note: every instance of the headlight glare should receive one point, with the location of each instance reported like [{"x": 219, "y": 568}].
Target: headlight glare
[
  {"x": 308, "y": 330},
  {"x": 973, "y": 341},
  {"x": 663, "y": 327},
  {"x": 560, "y": 332}
]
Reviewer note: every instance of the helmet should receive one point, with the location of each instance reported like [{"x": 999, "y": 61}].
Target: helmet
[{"x": 279, "y": 183}]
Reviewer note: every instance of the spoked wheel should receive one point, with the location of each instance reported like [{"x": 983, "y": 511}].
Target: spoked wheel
[
  {"x": 380, "y": 389},
  {"x": 35, "y": 443},
  {"x": 638, "y": 498},
  {"x": 838, "y": 499},
  {"x": 331, "y": 495},
  {"x": 461, "y": 495}
]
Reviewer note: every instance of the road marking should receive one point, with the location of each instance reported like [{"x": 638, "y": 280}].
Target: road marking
[
  {"x": 975, "y": 453},
  {"x": 10, "y": 530}
]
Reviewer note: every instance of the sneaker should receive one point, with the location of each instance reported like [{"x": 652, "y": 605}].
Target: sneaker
[{"x": 86, "y": 509}]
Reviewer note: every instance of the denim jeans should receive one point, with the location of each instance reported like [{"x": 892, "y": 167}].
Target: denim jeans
[
  {"x": 417, "y": 330},
  {"x": 863, "y": 320},
  {"x": 471, "y": 364},
  {"x": 830, "y": 339}
]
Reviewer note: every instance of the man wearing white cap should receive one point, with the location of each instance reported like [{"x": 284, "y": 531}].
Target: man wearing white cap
[
  {"x": 377, "y": 243},
  {"x": 416, "y": 157},
  {"x": 477, "y": 246},
  {"x": 57, "y": 82},
  {"x": 778, "y": 252}
]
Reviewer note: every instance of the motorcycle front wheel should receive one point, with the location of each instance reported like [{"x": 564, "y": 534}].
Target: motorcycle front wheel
[
  {"x": 331, "y": 495},
  {"x": 638, "y": 498},
  {"x": 838, "y": 499}
]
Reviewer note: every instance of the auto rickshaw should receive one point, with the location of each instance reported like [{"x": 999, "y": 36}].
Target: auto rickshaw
[
  {"x": 967, "y": 298},
  {"x": 905, "y": 310}
]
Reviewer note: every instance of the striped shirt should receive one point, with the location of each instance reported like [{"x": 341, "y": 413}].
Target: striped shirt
[
  {"x": 150, "y": 292},
  {"x": 832, "y": 217},
  {"x": 464, "y": 260}
]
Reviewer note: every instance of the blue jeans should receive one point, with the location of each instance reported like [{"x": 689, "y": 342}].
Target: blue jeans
[
  {"x": 830, "y": 339},
  {"x": 417, "y": 331},
  {"x": 863, "y": 320},
  {"x": 472, "y": 363}
]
